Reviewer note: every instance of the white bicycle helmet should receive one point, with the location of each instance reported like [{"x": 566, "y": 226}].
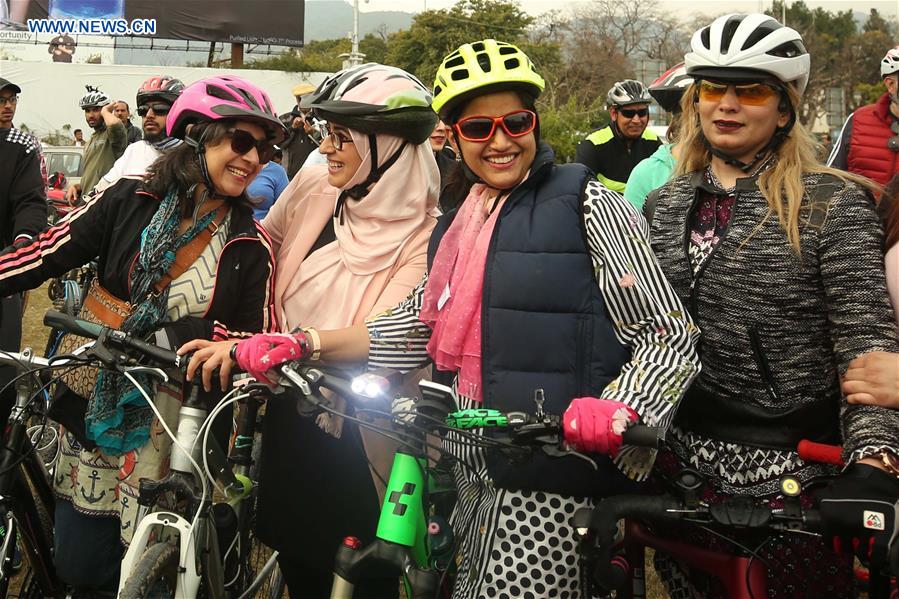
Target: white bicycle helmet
[
  {"x": 739, "y": 47},
  {"x": 94, "y": 98},
  {"x": 627, "y": 92},
  {"x": 890, "y": 62}
]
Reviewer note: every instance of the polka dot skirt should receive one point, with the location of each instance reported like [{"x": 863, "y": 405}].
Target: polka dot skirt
[{"x": 512, "y": 544}]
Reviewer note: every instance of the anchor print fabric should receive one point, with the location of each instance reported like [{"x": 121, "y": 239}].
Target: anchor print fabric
[{"x": 108, "y": 486}]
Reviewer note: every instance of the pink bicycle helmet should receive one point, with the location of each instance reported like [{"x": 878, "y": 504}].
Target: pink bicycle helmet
[{"x": 226, "y": 97}]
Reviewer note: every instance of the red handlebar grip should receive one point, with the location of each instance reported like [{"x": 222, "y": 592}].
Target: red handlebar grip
[{"x": 819, "y": 452}]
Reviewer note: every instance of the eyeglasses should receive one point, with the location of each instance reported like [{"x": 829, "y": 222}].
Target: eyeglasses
[
  {"x": 337, "y": 140},
  {"x": 748, "y": 94},
  {"x": 630, "y": 113},
  {"x": 158, "y": 109},
  {"x": 243, "y": 141},
  {"x": 11, "y": 100},
  {"x": 482, "y": 128}
]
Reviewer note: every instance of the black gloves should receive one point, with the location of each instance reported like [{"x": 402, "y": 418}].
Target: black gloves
[{"x": 859, "y": 513}]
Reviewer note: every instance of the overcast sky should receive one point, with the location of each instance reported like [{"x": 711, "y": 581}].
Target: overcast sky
[{"x": 681, "y": 8}]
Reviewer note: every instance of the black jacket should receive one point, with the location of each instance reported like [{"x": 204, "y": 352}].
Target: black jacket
[
  {"x": 108, "y": 228},
  {"x": 612, "y": 157},
  {"x": 23, "y": 199}
]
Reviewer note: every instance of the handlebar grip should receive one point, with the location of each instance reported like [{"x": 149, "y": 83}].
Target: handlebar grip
[
  {"x": 819, "y": 452},
  {"x": 643, "y": 436},
  {"x": 163, "y": 357},
  {"x": 70, "y": 324},
  {"x": 337, "y": 385}
]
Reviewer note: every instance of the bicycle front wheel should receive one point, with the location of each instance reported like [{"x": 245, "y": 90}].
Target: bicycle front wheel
[{"x": 155, "y": 575}]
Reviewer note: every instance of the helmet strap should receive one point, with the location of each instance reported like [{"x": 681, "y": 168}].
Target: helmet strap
[
  {"x": 357, "y": 192},
  {"x": 199, "y": 146},
  {"x": 780, "y": 134}
]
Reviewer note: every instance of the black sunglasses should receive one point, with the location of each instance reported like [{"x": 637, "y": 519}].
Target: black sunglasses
[
  {"x": 630, "y": 113},
  {"x": 158, "y": 109},
  {"x": 243, "y": 141}
]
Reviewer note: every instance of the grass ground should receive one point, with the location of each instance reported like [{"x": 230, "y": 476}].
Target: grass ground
[{"x": 34, "y": 335}]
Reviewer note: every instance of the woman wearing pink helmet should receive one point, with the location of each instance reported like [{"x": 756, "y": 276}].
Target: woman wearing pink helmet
[
  {"x": 168, "y": 246},
  {"x": 351, "y": 240}
]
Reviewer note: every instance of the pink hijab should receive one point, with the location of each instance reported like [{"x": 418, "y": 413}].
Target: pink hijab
[{"x": 351, "y": 273}]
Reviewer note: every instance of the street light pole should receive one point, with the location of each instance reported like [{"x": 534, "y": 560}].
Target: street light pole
[{"x": 354, "y": 57}]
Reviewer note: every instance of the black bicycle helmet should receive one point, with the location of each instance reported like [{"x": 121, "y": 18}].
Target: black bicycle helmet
[{"x": 373, "y": 98}]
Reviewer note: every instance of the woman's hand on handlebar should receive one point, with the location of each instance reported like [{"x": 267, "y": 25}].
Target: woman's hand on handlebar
[
  {"x": 262, "y": 352},
  {"x": 207, "y": 356},
  {"x": 596, "y": 425}
]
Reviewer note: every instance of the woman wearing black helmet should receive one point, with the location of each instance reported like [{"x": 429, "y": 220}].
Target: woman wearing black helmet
[
  {"x": 541, "y": 279},
  {"x": 351, "y": 240},
  {"x": 782, "y": 269}
]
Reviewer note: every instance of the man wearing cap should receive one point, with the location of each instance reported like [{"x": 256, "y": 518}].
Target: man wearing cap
[
  {"x": 62, "y": 47},
  {"x": 154, "y": 100},
  {"x": 299, "y": 143},
  {"x": 23, "y": 214},
  {"x": 869, "y": 142}
]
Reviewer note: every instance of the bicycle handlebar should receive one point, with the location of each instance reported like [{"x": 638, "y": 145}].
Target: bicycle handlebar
[{"x": 70, "y": 324}]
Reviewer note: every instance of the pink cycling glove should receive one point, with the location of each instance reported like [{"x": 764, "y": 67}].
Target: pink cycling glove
[
  {"x": 595, "y": 425},
  {"x": 262, "y": 352}
]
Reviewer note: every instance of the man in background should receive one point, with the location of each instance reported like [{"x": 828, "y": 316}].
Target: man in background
[
  {"x": 123, "y": 112},
  {"x": 299, "y": 143}
]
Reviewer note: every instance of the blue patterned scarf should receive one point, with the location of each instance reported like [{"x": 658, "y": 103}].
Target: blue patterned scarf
[{"x": 118, "y": 418}]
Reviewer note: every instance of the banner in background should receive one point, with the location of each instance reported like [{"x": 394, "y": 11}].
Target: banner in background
[{"x": 277, "y": 22}]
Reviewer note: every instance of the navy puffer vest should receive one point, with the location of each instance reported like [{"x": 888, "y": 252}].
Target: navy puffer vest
[{"x": 545, "y": 321}]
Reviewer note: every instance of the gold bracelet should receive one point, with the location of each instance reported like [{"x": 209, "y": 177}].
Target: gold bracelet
[{"x": 315, "y": 342}]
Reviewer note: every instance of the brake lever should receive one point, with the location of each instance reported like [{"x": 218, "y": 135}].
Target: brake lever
[
  {"x": 555, "y": 451},
  {"x": 158, "y": 373}
]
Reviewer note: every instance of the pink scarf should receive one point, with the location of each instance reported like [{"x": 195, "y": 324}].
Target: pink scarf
[{"x": 453, "y": 294}]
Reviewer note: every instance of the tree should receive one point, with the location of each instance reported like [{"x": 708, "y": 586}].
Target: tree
[{"x": 435, "y": 33}]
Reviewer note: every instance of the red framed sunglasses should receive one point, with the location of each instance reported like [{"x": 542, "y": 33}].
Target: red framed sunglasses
[{"x": 482, "y": 128}]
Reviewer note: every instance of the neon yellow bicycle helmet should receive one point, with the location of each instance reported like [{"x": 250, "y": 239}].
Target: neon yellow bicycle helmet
[{"x": 475, "y": 68}]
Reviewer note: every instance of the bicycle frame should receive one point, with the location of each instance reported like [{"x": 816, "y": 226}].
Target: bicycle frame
[
  {"x": 199, "y": 556},
  {"x": 25, "y": 493},
  {"x": 402, "y": 537},
  {"x": 741, "y": 575}
]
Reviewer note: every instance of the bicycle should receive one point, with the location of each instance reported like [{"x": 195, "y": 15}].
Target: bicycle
[
  {"x": 203, "y": 545},
  {"x": 26, "y": 499},
  {"x": 609, "y": 565},
  {"x": 409, "y": 542}
]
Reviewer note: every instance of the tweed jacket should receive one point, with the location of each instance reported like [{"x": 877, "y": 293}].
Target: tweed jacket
[{"x": 777, "y": 328}]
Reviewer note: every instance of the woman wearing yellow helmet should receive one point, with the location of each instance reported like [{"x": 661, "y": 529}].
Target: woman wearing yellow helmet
[{"x": 542, "y": 278}]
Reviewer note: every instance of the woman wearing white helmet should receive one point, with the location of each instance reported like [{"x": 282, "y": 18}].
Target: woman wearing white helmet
[{"x": 783, "y": 272}]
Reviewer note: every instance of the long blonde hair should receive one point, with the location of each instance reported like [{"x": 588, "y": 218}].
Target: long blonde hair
[{"x": 782, "y": 184}]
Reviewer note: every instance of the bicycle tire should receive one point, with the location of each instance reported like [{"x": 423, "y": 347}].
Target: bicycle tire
[
  {"x": 274, "y": 586},
  {"x": 157, "y": 566}
]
